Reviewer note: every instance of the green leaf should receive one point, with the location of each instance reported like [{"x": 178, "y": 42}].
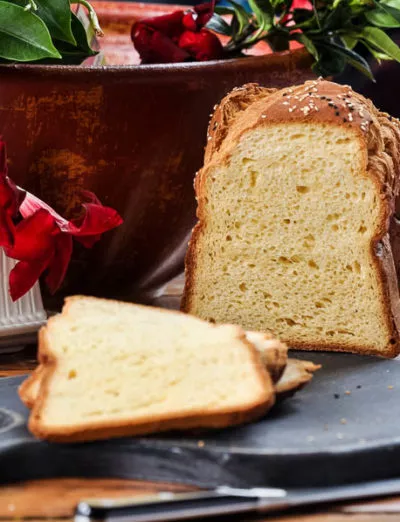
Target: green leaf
[
  {"x": 376, "y": 54},
  {"x": 24, "y": 37},
  {"x": 218, "y": 24},
  {"x": 385, "y": 14},
  {"x": 224, "y": 10},
  {"x": 337, "y": 18},
  {"x": 349, "y": 41},
  {"x": 264, "y": 14},
  {"x": 82, "y": 50},
  {"x": 304, "y": 18},
  {"x": 56, "y": 14},
  {"x": 81, "y": 36},
  {"x": 93, "y": 20},
  {"x": 330, "y": 63},
  {"x": 308, "y": 44},
  {"x": 242, "y": 16},
  {"x": 380, "y": 41},
  {"x": 353, "y": 58}
]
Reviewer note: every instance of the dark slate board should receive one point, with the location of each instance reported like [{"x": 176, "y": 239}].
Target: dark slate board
[{"x": 320, "y": 437}]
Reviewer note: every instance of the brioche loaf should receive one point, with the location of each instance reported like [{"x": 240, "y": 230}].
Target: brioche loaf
[
  {"x": 295, "y": 201},
  {"x": 113, "y": 369}
]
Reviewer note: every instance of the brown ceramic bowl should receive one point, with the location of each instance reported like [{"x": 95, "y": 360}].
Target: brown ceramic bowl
[{"x": 134, "y": 135}]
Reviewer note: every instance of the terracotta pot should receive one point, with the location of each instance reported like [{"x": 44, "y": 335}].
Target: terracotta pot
[{"x": 134, "y": 135}]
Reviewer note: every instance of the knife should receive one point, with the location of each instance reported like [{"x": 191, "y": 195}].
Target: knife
[{"x": 166, "y": 506}]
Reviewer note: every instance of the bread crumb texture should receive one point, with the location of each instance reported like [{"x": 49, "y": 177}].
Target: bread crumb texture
[
  {"x": 292, "y": 208},
  {"x": 110, "y": 362}
]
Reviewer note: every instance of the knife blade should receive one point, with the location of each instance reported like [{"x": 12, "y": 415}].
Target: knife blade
[{"x": 167, "y": 506}]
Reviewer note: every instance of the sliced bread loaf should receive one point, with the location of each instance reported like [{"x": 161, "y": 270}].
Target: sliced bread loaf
[
  {"x": 113, "y": 369},
  {"x": 295, "y": 201}
]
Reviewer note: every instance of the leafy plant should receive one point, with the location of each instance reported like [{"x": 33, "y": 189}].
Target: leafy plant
[
  {"x": 46, "y": 31},
  {"x": 333, "y": 31}
]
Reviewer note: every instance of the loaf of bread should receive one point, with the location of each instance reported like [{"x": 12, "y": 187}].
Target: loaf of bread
[
  {"x": 113, "y": 369},
  {"x": 295, "y": 202},
  {"x": 273, "y": 354}
]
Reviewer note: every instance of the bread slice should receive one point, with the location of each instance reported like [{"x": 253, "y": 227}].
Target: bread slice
[
  {"x": 295, "y": 201},
  {"x": 30, "y": 387},
  {"x": 288, "y": 378},
  {"x": 114, "y": 369},
  {"x": 296, "y": 375},
  {"x": 273, "y": 355}
]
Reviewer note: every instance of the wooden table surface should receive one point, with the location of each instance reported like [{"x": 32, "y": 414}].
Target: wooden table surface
[{"x": 56, "y": 499}]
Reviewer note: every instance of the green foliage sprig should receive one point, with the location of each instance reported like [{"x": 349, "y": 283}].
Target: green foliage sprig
[
  {"x": 332, "y": 31},
  {"x": 46, "y": 31}
]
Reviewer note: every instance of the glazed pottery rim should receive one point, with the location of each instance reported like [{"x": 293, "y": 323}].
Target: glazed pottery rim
[{"x": 228, "y": 64}]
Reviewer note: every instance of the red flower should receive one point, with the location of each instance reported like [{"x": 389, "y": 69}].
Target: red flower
[
  {"x": 202, "y": 46},
  {"x": 156, "y": 46},
  {"x": 302, "y": 4},
  {"x": 10, "y": 199},
  {"x": 177, "y": 37},
  {"x": 196, "y": 19},
  {"x": 41, "y": 241}
]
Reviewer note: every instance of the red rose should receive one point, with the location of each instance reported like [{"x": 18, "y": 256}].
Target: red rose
[
  {"x": 156, "y": 47},
  {"x": 202, "y": 46},
  {"x": 195, "y": 19},
  {"x": 177, "y": 37},
  {"x": 169, "y": 25}
]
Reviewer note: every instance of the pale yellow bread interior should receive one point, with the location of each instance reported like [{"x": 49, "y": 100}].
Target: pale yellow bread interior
[
  {"x": 288, "y": 221},
  {"x": 119, "y": 369},
  {"x": 272, "y": 351}
]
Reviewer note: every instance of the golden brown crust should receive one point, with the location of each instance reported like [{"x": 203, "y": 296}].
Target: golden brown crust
[
  {"x": 325, "y": 103},
  {"x": 296, "y": 375},
  {"x": 166, "y": 422},
  {"x": 111, "y": 430},
  {"x": 274, "y": 353},
  {"x": 317, "y": 101},
  {"x": 227, "y": 111},
  {"x": 28, "y": 390}
]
